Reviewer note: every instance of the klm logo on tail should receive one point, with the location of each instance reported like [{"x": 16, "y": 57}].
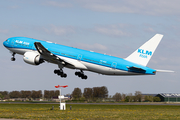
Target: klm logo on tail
[{"x": 144, "y": 53}]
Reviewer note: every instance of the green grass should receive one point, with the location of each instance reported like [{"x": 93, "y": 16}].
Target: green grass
[{"x": 90, "y": 112}]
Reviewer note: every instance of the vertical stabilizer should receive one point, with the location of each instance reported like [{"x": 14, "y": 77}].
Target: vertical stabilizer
[{"x": 143, "y": 54}]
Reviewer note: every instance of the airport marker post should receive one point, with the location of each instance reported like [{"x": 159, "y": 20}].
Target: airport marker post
[{"x": 62, "y": 105}]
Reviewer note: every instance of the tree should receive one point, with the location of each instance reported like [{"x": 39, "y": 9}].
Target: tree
[
  {"x": 5, "y": 94},
  {"x": 1, "y": 96},
  {"x": 56, "y": 93},
  {"x": 156, "y": 99},
  {"x": 104, "y": 92},
  {"x": 96, "y": 92},
  {"x": 15, "y": 94},
  {"x": 46, "y": 94},
  {"x": 76, "y": 94},
  {"x": 52, "y": 93},
  {"x": 149, "y": 98},
  {"x": 138, "y": 96},
  {"x": 36, "y": 94},
  {"x": 117, "y": 97},
  {"x": 88, "y": 93},
  {"x": 123, "y": 96},
  {"x": 129, "y": 98},
  {"x": 100, "y": 92},
  {"x": 26, "y": 94}
]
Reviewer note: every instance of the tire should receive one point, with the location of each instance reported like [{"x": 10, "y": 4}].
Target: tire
[
  {"x": 55, "y": 71},
  {"x": 65, "y": 75},
  {"x": 85, "y": 77},
  {"x": 13, "y": 59},
  {"x": 80, "y": 75},
  {"x": 76, "y": 73}
]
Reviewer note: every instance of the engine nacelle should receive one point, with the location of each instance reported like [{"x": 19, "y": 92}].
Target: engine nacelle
[{"x": 32, "y": 58}]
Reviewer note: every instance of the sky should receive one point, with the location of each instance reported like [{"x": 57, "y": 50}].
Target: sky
[{"x": 114, "y": 27}]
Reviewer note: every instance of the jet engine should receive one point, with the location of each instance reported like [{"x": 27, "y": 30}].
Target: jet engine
[{"x": 32, "y": 58}]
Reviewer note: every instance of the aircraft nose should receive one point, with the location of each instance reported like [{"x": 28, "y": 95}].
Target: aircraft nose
[{"x": 5, "y": 43}]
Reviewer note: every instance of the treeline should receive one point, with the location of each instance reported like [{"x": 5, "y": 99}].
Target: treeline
[
  {"x": 48, "y": 94},
  {"x": 94, "y": 93},
  {"x": 137, "y": 97},
  {"x": 89, "y": 94},
  {"x": 101, "y": 93}
]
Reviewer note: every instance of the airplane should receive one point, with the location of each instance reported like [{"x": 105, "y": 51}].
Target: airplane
[{"x": 36, "y": 52}]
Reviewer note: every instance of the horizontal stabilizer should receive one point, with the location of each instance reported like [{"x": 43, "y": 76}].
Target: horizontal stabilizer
[
  {"x": 136, "y": 69},
  {"x": 164, "y": 70}
]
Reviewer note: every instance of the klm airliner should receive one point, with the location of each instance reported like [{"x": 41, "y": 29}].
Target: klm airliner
[{"x": 37, "y": 52}]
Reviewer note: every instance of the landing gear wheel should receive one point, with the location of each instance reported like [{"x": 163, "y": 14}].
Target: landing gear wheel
[
  {"x": 64, "y": 75},
  {"x": 13, "y": 59},
  {"x": 60, "y": 73},
  {"x": 77, "y": 73},
  {"x": 81, "y": 75},
  {"x": 84, "y": 77},
  {"x": 55, "y": 71}
]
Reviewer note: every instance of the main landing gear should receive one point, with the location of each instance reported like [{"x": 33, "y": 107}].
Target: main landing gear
[
  {"x": 60, "y": 73},
  {"x": 13, "y": 58},
  {"x": 81, "y": 74}
]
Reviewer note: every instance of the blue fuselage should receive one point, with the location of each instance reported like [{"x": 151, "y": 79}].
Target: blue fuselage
[{"x": 22, "y": 44}]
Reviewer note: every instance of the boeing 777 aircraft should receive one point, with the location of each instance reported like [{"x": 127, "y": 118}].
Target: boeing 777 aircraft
[{"x": 37, "y": 51}]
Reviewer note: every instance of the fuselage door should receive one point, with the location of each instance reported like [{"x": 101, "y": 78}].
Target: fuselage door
[
  {"x": 114, "y": 64},
  {"x": 12, "y": 42},
  {"x": 79, "y": 57},
  {"x": 33, "y": 47}
]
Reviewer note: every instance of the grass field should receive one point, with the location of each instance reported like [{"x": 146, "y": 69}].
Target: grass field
[{"x": 90, "y": 112}]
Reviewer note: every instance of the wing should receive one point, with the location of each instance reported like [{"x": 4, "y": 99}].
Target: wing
[
  {"x": 50, "y": 57},
  {"x": 43, "y": 51}
]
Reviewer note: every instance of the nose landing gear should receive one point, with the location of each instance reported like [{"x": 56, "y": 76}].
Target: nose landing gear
[{"x": 13, "y": 58}]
